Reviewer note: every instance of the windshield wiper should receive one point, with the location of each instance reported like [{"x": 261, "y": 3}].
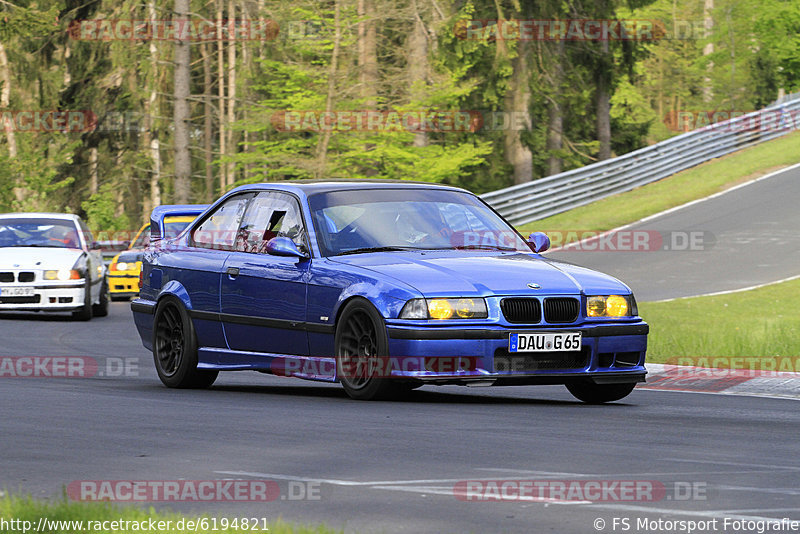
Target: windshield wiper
[
  {"x": 478, "y": 247},
  {"x": 375, "y": 249}
]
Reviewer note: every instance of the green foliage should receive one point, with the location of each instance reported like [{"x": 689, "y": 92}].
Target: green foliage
[
  {"x": 756, "y": 54},
  {"x": 631, "y": 118},
  {"x": 746, "y": 324},
  {"x": 100, "y": 209},
  {"x": 40, "y": 173},
  {"x": 29, "y": 21}
]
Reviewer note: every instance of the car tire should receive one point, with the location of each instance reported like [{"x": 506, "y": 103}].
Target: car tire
[
  {"x": 360, "y": 341},
  {"x": 591, "y": 393},
  {"x": 175, "y": 348},
  {"x": 101, "y": 308},
  {"x": 85, "y": 312}
]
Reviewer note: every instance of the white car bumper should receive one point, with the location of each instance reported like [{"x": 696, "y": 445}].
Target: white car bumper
[{"x": 43, "y": 295}]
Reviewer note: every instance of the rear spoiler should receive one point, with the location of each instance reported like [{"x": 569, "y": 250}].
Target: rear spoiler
[{"x": 171, "y": 210}]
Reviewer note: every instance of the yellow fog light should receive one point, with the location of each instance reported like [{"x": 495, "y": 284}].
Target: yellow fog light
[{"x": 440, "y": 309}]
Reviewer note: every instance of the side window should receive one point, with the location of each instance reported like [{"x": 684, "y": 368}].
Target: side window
[
  {"x": 87, "y": 234},
  {"x": 218, "y": 230},
  {"x": 269, "y": 215}
]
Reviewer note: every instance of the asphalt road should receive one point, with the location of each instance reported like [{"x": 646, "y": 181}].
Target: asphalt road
[
  {"x": 746, "y": 237},
  {"x": 387, "y": 466}
]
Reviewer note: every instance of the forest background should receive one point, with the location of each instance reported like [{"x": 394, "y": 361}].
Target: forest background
[{"x": 110, "y": 108}]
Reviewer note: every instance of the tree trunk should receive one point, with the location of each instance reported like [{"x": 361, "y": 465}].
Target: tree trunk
[
  {"x": 120, "y": 184},
  {"x": 418, "y": 67},
  {"x": 151, "y": 112},
  {"x": 555, "y": 117},
  {"x": 231, "y": 142},
  {"x": 67, "y": 55},
  {"x": 93, "y": 175},
  {"x": 603, "y": 103},
  {"x": 5, "y": 101},
  {"x": 223, "y": 181},
  {"x": 708, "y": 49},
  {"x": 208, "y": 132},
  {"x": 368, "y": 52},
  {"x": 517, "y": 102},
  {"x": 322, "y": 145},
  {"x": 181, "y": 116},
  {"x": 368, "y": 63}
]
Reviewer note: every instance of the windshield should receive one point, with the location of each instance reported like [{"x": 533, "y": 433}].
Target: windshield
[
  {"x": 354, "y": 221},
  {"x": 57, "y": 233}
]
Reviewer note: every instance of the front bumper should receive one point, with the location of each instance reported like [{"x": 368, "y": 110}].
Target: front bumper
[
  {"x": 610, "y": 353},
  {"x": 123, "y": 283},
  {"x": 43, "y": 296}
]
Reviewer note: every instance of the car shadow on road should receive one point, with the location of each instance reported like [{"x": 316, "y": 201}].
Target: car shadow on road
[
  {"x": 33, "y": 316},
  {"x": 412, "y": 397}
]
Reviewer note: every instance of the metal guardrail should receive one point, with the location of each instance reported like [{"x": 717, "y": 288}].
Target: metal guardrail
[{"x": 554, "y": 194}]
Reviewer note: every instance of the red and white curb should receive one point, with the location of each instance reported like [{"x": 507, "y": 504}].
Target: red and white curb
[{"x": 726, "y": 381}]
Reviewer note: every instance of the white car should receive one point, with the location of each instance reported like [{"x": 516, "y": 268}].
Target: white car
[{"x": 49, "y": 262}]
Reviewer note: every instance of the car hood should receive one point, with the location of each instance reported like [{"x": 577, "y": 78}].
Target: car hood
[
  {"x": 462, "y": 273},
  {"x": 18, "y": 258}
]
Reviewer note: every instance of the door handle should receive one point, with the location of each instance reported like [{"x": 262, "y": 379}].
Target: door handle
[{"x": 233, "y": 272}]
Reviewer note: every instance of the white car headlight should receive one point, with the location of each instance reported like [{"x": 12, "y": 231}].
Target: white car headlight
[{"x": 62, "y": 274}]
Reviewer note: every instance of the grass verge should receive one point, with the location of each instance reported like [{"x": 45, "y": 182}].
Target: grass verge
[
  {"x": 61, "y": 517},
  {"x": 761, "y": 323},
  {"x": 698, "y": 182}
]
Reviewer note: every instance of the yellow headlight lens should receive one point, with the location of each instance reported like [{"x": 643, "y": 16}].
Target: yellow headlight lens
[
  {"x": 440, "y": 309},
  {"x": 610, "y": 306},
  {"x": 616, "y": 306},
  {"x": 444, "y": 308},
  {"x": 465, "y": 308},
  {"x": 596, "y": 307}
]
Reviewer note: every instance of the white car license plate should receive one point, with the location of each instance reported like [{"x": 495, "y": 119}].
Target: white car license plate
[
  {"x": 545, "y": 342},
  {"x": 16, "y": 292}
]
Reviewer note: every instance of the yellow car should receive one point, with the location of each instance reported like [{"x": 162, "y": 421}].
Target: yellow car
[{"x": 123, "y": 273}]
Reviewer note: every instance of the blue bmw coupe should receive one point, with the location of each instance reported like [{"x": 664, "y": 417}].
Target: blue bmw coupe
[{"x": 384, "y": 287}]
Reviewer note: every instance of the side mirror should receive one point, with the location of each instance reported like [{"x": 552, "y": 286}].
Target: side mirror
[
  {"x": 539, "y": 242},
  {"x": 283, "y": 246},
  {"x": 95, "y": 246}
]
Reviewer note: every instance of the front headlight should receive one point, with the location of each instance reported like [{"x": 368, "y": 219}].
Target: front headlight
[
  {"x": 62, "y": 274},
  {"x": 122, "y": 266},
  {"x": 611, "y": 306},
  {"x": 458, "y": 308}
]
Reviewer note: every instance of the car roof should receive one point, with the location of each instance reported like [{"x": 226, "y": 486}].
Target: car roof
[
  {"x": 62, "y": 216},
  {"x": 309, "y": 187}
]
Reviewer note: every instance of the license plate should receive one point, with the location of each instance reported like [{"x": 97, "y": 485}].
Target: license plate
[
  {"x": 16, "y": 292},
  {"x": 545, "y": 342}
]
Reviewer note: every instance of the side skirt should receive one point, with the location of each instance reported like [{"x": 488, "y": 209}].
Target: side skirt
[{"x": 306, "y": 367}]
